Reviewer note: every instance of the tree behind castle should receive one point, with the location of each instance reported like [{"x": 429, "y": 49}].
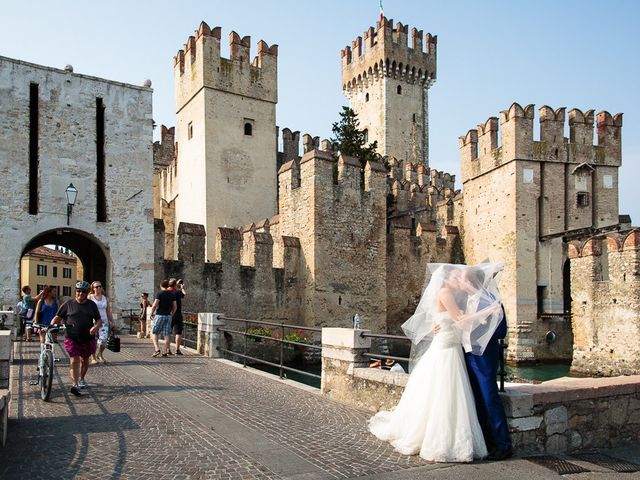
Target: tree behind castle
[{"x": 350, "y": 140}]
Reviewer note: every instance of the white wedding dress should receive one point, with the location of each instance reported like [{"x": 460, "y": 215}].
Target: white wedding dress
[{"x": 436, "y": 416}]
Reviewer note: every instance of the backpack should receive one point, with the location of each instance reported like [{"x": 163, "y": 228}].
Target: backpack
[{"x": 23, "y": 311}]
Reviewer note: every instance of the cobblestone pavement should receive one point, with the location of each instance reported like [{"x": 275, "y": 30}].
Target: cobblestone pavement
[{"x": 194, "y": 418}]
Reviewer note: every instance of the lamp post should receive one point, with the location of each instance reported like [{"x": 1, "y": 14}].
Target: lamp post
[{"x": 71, "y": 192}]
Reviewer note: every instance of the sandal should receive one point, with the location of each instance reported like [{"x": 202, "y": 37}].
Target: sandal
[{"x": 157, "y": 353}]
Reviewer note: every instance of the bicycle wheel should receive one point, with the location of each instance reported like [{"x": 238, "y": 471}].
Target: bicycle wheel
[{"x": 46, "y": 375}]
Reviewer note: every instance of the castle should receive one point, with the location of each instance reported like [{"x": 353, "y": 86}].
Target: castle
[{"x": 312, "y": 237}]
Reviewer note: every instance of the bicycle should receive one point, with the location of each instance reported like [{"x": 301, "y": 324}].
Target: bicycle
[{"x": 45, "y": 362}]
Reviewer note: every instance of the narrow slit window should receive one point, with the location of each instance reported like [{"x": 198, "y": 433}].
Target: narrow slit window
[
  {"x": 399, "y": 90},
  {"x": 101, "y": 202},
  {"x": 248, "y": 129},
  {"x": 190, "y": 131},
  {"x": 34, "y": 118}
]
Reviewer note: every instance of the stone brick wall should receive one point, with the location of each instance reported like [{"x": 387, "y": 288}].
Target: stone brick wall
[
  {"x": 605, "y": 288},
  {"x": 257, "y": 290},
  {"x": 67, "y": 154}
]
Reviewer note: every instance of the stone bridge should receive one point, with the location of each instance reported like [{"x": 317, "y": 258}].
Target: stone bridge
[{"x": 192, "y": 417}]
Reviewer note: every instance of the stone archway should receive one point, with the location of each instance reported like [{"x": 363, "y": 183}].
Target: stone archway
[{"x": 88, "y": 249}]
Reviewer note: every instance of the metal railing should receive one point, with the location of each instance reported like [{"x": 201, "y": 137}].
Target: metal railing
[
  {"x": 190, "y": 335},
  {"x": 501, "y": 360},
  {"x": 246, "y": 334}
]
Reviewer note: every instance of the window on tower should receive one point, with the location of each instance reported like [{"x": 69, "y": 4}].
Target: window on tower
[
  {"x": 365, "y": 135},
  {"x": 190, "y": 130},
  {"x": 248, "y": 127},
  {"x": 399, "y": 89},
  {"x": 366, "y": 97},
  {"x": 582, "y": 199}
]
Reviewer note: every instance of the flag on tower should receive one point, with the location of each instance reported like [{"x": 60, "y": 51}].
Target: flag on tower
[{"x": 381, "y": 11}]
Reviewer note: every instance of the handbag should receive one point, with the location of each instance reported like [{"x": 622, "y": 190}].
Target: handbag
[{"x": 113, "y": 343}]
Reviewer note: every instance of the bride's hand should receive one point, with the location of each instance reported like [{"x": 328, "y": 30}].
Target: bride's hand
[{"x": 436, "y": 328}]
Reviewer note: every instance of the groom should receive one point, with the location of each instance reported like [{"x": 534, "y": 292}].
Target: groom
[{"x": 482, "y": 375}]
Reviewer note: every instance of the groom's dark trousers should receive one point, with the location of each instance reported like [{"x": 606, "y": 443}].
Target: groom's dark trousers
[{"x": 483, "y": 370}]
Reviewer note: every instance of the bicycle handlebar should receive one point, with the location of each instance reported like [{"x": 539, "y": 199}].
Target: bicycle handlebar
[{"x": 49, "y": 328}]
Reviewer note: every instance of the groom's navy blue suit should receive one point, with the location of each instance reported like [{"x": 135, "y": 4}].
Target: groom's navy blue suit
[{"x": 482, "y": 375}]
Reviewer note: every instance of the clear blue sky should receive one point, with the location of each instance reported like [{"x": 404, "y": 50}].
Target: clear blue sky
[{"x": 563, "y": 53}]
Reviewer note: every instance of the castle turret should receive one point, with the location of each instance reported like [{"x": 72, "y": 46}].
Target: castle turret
[
  {"x": 387, "y": 83},
  {"x": 225, "y": 128},
  {"x": 522, "y": 197}
]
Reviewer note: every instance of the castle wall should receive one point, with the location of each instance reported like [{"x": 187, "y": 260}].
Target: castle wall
[
  {"x": 226, "y": 130},
  {"x": 522, "y": 196},
  {"x": 408, "y": 253},
  {"x": 605, "y": 288},
  {"x": 340, "y": 222},
  {"x": 67, "y": 154},
  {"x": 242, "y": 288}
]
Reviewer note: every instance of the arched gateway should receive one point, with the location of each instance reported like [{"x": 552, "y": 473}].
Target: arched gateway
[
  {"x": 91, "y": 252},
  {"x": 65, "y": 131}
]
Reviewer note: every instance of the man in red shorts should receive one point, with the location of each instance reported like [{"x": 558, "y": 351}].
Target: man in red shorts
[{"x": 82, "y": 319}]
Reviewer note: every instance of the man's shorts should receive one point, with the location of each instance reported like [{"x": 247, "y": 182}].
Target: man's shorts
[
  {"x": 82, "y": 350},
  {"x": 161, "y": 325},
  {"x": 177, "y": 324}
]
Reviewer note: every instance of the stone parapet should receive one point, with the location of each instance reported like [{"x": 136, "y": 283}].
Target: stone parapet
[{"x": 555, "y": 417}]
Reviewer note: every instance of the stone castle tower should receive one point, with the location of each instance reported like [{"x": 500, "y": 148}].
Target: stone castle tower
[
  {"x": 387, "y": 83},
  {"x": 524, "y": 199},
  {"x": 226, "y": 115}
]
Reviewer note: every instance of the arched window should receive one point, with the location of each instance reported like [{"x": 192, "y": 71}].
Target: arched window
[
  {"x": 248, "y": 129},
  {"x": 365, "y": 135},
  {"x": 366, "y": 97},
  {"x": 399, "y": 89}
]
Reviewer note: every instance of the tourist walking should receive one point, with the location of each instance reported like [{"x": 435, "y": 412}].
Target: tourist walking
[
  {"x": 46, "y": 309},
  {"x": 163, "y": 308},
  {"x": 98, "y": 297},
  {"x": 142, "y": 316},
  {"x": 436, "y": 415},
  {"x": 177, "y": 321},
  {"x": 82, "y": 319}
]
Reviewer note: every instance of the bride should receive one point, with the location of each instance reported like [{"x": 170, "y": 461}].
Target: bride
[{"x": 436, "y": 416}]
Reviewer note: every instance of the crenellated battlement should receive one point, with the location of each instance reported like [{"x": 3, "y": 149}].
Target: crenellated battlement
[
  {"x": 498, "y": 141},
  {"x": 199, "y": 63},
  {"x": 166, "y": 149},
  {"x": 291, "y": 145},
  {"x": 610, "y": 244},
  {"x": 412, "y": 187},
  {"x": 384, "y": 51},
  {"x": 320, "y": 168}
]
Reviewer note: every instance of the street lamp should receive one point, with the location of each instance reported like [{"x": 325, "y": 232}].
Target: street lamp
[{"x": 71, "y": 192}]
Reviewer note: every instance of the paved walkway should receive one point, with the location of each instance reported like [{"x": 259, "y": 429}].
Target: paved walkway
[{"x": 195, "y": 418}]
